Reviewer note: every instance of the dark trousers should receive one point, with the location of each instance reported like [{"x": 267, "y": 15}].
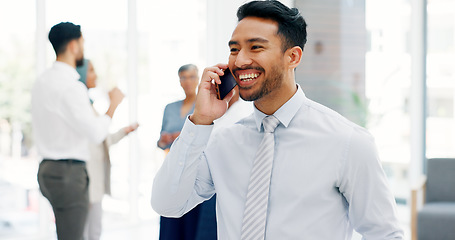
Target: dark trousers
[
  {"x": 65, "y": 185},
  {"x": 207, "y": 226},
  {"x": 197, "y": 224},
  {"x": 183, "y": 228}
]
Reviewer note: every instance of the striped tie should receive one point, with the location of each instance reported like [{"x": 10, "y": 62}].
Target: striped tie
[{"x": 255, "y": 214}]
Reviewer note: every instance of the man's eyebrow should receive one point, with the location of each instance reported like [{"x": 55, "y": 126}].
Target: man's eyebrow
[
  {"x": 233, "y": 43},
  {"x": 261, "y": 40},
  {"x": 251, "y": 40}
]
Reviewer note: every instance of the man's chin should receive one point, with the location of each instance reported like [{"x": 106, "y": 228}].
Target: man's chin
[
  {"x": 248, "y": 96},
  {"x": 79, "y": 62}
]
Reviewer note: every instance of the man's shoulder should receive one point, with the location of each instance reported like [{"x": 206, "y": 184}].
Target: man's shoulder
[
  {"x": 323, "y": 115},
  {"x": 53, "y": 76},
  {"x": 330, "y": 126},
  {"x": 53, "y": 86}
]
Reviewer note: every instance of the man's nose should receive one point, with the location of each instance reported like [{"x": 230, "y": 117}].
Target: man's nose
[{"x": 242, "y": 59}]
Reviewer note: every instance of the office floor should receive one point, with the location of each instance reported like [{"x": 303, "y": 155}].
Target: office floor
[{"x": 146, "y": 230}]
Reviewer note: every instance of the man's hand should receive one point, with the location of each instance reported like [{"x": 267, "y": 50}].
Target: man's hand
[
  {"x": 208, "y": 106},
  {"x": 116, "y": 96}
]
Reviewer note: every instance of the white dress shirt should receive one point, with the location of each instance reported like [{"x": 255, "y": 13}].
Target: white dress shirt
[
  {"x": 238, "y": 110},
  {"x": 326, "y": 179},
  {"x": 63, "y": 119}
]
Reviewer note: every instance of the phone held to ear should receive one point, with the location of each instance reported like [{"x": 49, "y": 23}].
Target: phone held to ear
[{"x": 227, "y": 84}]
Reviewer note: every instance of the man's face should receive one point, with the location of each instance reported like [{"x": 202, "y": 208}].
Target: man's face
[
  {"x": 189, "y": 80},
  {"x": 256, "y": 57},
  {"x": 80, "y": 52}
]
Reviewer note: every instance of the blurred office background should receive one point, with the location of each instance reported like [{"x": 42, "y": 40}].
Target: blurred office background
[{"x": 388, "y": 65}]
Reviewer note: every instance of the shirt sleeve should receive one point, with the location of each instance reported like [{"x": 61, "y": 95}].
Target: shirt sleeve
[
  {"x": 184, "y": 179},
  {"x": 115, "y": 137},
  {"x": 80, "y": 115},
  {"x": 372, "y": 209}
]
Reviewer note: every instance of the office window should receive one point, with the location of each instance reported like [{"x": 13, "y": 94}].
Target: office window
[
  {"x": 388, "y": 83},
  {"x": 441, "y": 79},
  {"x": 19, "y": 213},
  {"x": 170, "y": 34},
  {"x": 357, "y": 62}
]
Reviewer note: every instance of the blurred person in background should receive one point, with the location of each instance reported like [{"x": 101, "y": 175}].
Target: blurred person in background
[
  {"x": 185, "y": 227},
  {"x": 175, "y": 113},
  {"x": 64, "y": 124},
  {"x": 99, "y": 165}
]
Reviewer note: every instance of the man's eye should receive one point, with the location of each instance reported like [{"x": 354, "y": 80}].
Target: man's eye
[
  {"x": 234, "y": 50},
  {"x": 256, "y": 47}
]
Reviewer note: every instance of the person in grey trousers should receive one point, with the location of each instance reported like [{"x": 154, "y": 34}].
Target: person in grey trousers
[{"x": 64, "y": 125}]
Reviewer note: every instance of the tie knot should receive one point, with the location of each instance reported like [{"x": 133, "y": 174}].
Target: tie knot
[{"x": 270, "y": 123}]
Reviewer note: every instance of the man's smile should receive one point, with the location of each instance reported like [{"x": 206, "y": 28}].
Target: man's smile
[{"x": 248, "y": 77}]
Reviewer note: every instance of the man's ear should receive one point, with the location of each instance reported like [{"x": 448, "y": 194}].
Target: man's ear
[
  {"x": 294, "y": 56},
  {"x": 72, "y": 46}
]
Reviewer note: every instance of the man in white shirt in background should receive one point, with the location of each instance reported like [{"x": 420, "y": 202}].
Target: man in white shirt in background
[
  {"x": 325, "y": 178},
  {"x": 64, "y": 124}
]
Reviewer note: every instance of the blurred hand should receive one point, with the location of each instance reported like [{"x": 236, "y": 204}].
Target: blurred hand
[
  {"x": 175, "y": 135},
  {"x": 165, "y": 139},
  {"x": 116, "y": 96},
  {"x": 131, "y": 128},
  {"x": 208, "y": 107}
]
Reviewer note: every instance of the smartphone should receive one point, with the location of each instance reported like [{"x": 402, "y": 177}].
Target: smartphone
[{"x": 227, "y": 84}]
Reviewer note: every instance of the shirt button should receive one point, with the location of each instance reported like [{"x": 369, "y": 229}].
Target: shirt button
[
  {"x": 180, "y": 163},
  {"x": 191, "y": 134}
]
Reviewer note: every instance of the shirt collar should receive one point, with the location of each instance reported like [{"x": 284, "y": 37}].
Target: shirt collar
[
  {"x": 67, "y": 68},
  {"x": 286, "y": 112}
]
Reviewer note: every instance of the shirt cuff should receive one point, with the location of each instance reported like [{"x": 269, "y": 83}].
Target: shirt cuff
[{"x": 195, "y": 134}]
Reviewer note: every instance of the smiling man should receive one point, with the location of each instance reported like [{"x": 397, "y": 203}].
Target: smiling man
[{"x": 293, "y": 169}]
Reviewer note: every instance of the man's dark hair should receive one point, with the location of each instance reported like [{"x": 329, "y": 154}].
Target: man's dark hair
[
  {"x": 291, "y": 25},
  {"x": 187, "y": 67},
  {"x": 61, "y": 34}
]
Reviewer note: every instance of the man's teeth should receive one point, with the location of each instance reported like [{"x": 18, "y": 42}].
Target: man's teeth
[{"x": 248, "y": 77}]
